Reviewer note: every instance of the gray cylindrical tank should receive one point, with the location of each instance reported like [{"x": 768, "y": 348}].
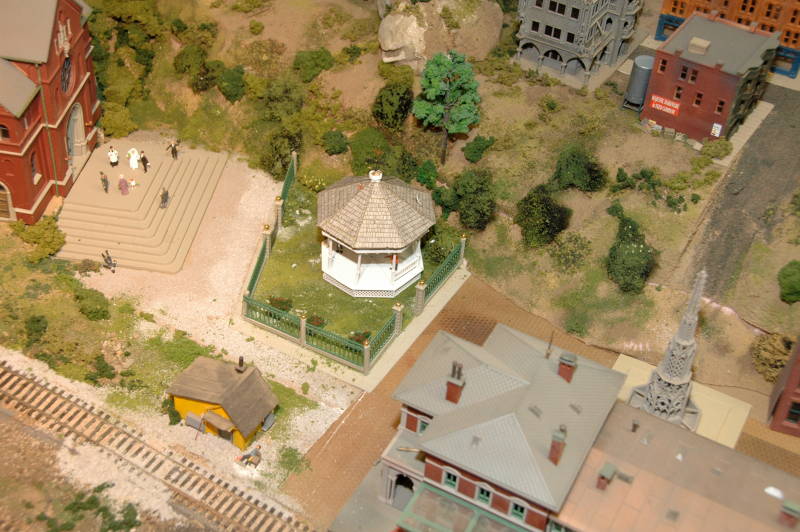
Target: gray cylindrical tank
[{"x": 640, "y": 77}]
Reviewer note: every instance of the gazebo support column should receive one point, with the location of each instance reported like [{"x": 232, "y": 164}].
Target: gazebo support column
[
  {"x": 330, "y": 252},
  {"x": 358, "y": 269}
]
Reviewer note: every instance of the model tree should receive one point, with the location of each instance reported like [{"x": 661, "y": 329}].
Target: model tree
[
  {"x": 541, "y": 217},
  {"x": 449, "y": 98}
]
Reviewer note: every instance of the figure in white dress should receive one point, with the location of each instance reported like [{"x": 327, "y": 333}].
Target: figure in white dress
[{"x": 133, "y": 158}]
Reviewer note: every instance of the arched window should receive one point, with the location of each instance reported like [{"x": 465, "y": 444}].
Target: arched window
[
  {"x": 66, "y": 74},
  {"x": 34, "y": 168},
  {"x": 4, "y": 134}
]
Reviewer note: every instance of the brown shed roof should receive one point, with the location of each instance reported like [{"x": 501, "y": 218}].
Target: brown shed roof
[
  {"x": 368, "y": 213},
  {"x": 246, "y": 396}
]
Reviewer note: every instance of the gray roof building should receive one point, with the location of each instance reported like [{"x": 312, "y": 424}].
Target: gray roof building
[
  {"x": 16, "y": 90},
  {"x": 26, "y": 27},
  {"x": 374, "y": 212},
  {"x": 514, "y": 397},
  {"x": 245, "y": 396},
  {"x": 708, "y": 42}
]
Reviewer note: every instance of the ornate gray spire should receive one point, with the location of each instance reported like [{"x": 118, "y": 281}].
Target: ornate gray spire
[{"x": 667, "y": 394}]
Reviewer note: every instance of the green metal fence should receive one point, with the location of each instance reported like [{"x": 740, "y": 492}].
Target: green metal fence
[
  {"x": 288, "y": 181},
  {"x": 440, "y": 275},
  {"x": 262, "y": 255},
  {"x": 272, "y": 317},
  {"x": 381, "y": 339},
  {"x": 333, "y": 344}
]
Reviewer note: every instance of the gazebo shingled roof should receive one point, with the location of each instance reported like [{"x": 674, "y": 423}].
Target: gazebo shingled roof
[{"x": 363, "y": 213}]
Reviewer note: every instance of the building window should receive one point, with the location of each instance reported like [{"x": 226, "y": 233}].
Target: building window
[
  {"x": 534, "y": 26},
  {"x": 517, "y": 511},
  {"x": 34, "y": 168},
  {"x": 698, "y": 99},
  {"x": 484, "y": 495},
  {"x": 552, "y": 6},
  {"x": 575, "y": 13},
  {"x": 539, "y": 3},
  {"x": 562, "y": 8},
  {"x": 684, "y": 72},
  {"x": 794, "y": 413},
  {"x": 66, "y": 74},
  {"x": 4, "y": 132},
  {"x": 795, "y": 13},
  {"x": 570, "y": 37},
  {"x": 422, "y": 426},
  {"x": 693, "y": 76},
  {"x": 662, "y": 65},
  {"x": 450, "y": 479},
  {"x": 678, "y": 92},
  {"x": 720, "y": 107},
  {"x": 550, "y": 31}
]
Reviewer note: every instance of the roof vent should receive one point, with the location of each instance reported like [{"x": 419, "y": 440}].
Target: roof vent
[
  {"x": 673, "y": 515},
  {"x": 646, "y": 439},
  {"x": 240, "y": 366},
  {"x": 717, "y": 471},
  {"x": 476, "y": 440},
  {"x": 375, "y": 175},
  {"x": 698, "y": 46},
  {"x": 576, "y": 408},
  {"x": 634, "y": 425},
  {"x": 535, "y": 410}
]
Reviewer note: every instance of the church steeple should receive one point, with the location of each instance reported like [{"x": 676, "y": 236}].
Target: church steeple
[{"x": 667, "y": 394}]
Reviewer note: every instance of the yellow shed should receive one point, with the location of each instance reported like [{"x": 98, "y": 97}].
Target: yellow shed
[{"x": 228, "y": 400}]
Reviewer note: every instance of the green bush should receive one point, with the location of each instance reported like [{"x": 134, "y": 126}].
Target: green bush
[
  {"x": 248, "y": 6},
  {"x": 475, "y": 198},
  {"x": 392, "y": 105},
  {"x": 789, "y": 281},
  {"x": 541, "y": 217},
  {"x": 427, "y": 174},
  {"x": 280, "y": 303},
  {"x": 168, "y": 408},
  {"x": 406, "y": 166},
  {"x": 190, "y": 59},
  {"x": 44, "y": 234},
  {"x": 473, "y": 150},
  {"x": 396, "y": 74},
  {"x": 178, "y": 26},
  {"x": 577, "y": 168},
  {"x": 309, "y": 63},
  {"x": 334, "y": 142},
  {"x": 717, "y": 149},
  {"x": 439, "y": 242},
  {"x": 369, "y": 149},
  {"x": 35, "y": 327},
  {"x": 231, "y": 83},
  {"x": 569, "y": 251},
  {"x": 445, "y": 198},
  {"x": 117, "y": 120},
  {"x": 256, "y": 27},
  {"x": 102, "y": 370},
  {"x": 630, "y": 260},
  {"x": 291, "y": 460},
  {"x": 352, "y": 53},
  {"x": 92, "y": 304}
]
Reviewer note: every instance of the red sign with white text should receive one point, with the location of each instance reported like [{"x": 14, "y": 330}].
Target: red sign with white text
[{"x": 665, "y": 105}]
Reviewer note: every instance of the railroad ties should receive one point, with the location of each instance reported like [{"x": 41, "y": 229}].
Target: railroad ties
[{"x": 191, "y": 485}]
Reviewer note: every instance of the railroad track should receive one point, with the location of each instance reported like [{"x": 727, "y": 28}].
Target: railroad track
[{"x": 191, "y": 485}]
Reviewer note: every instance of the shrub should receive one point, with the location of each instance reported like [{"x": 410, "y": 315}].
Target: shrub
[
  {"x": 231, "y": 83},
  {"x": 178, "y": 26},
  {"x": 368, "y": 148},
  {"x": 427, "y": 174},
  {"x": 202, "y": 79},
  {"x": 352, "y": 53},
  {"x": 316, "y": 320},
  {"x": 360, "y": 336},
  {"x": 789, "y": 281},
  {"x": 35, "y": 327},
  {"x": 168, "y": 408},
  {"x": 44, "y": 234},
  {"x": 439, "y": 242},
  {"x": 117, "y": 120},
  {"x": 569, "y": 251},
  {"x": 630, "y": 260},
  {"x": 770, "y": 353},
  {"x": 247, "y": 6},
  {"x": 541, "y": 217},
  {"x": 280, "y": 303},
  {"x": 304, "y": 388},
  {"x": 102, "y": 370},
  {"x": 475, "y": 198},
  {"x": 190, "y": 59},
  {"x": 695, "y": 198},
  {"x": 406, "y": 167},
  {"x": 291, "y": 460},
  {"x": 396, "y": 74},
  {"x": 473, "y": 150},
  {"x": 316, "y": 176},
  {"x": 699, "y": 163},
  {"x": 392, "y": 105},
  {"x": 309, "y": 63},
  {"x": 92, "y": 304},
  {"x": 87, "y": 265},
  {"x": 445, "y": 198},
  {"x": 717, "y": 149},
  {"x": 449, "y": 18},
  {"x": 256, "y": 27},
  {"x": 577, "y": 168},
  {"x": 794, "y": 204},
  {"x": 334, "y": 142}
]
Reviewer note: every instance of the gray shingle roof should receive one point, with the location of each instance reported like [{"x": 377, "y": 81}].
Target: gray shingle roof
[
  {"x": 733, "y": 46},
  {"x": 493, "y": 431},
  {"x": 26, "y": 27},
  {"x": 246, "y": 396},
  {"x": 16, "y": 90},
  {"x": 365, "y": 214}
]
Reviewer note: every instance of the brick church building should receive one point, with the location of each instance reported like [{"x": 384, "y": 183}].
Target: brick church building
[{"x": 48, "y": 102}]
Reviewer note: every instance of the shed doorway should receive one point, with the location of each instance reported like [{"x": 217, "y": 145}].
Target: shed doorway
[{"x": 403, "y": 490}]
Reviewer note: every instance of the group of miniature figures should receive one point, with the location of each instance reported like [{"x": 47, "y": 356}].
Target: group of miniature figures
[{"x": 135, "y": 157}]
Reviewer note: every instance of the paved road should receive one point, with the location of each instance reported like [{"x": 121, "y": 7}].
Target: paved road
[{"x": 765, "y": 176}]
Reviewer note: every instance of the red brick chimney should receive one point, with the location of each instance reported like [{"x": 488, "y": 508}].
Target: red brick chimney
[
  {"x": 240, "y": 366},
  {"x": 790, "y": 512},
  {"x": 567, "y": 363},
  {"x": 607, "y": 472},
  {"x": 557, "y": 444},
  {"x": 455, "y": 383}
]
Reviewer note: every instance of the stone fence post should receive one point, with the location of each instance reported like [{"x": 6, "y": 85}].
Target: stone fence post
[
  {"x": 461, "y": 251},
  {"x": 266, "y": 241},
  {"x": 302, "y": 328},
  {"x": 294, "y": 160},
  {"x": 398, "y": 318},
  {"x": 278, "y": 213},
  {"x": 367, "y": 357},
  {"x": 419, "y": 301}
]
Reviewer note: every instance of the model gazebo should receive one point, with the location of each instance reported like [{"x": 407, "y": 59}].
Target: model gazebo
[{"x": 372, "y": 228}]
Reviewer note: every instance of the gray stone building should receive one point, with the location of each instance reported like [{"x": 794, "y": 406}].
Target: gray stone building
[{"x": 575, "y": 36}]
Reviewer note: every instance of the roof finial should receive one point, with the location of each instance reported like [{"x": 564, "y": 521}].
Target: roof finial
[{"x": 375, "y": 175}]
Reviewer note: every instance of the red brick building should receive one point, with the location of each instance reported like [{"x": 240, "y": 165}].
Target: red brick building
[
  {"x": 784, "y": 403},
  {"x": 48, "y": 102},
  {"x": 708, "y": 76}
]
